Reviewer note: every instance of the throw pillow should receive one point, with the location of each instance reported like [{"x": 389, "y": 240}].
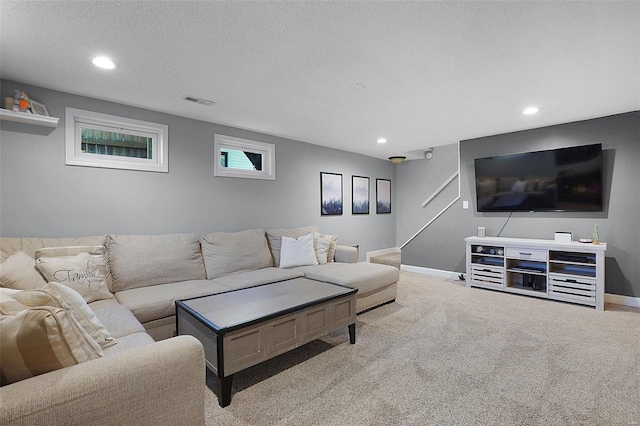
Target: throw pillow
[
  {"x": 74, "y": 302},
  {"x": 297, "y": 252},
  {"x": 321, "y": 245},
  {"x": 100, "y": 250},
  {"x": 274, "y": 237},
  {"x": 85, "y": 273},
  {"x": 36, "y": 340},
  {"x": 57, "y": 295},
  {"x": 331, "y": 251},
  {"x": 19, "y": 272}
]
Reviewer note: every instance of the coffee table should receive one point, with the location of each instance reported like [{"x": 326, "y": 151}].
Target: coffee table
[{"x": 242, "y": 328}]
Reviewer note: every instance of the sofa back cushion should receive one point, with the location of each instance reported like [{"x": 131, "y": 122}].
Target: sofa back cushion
[
  {"x": 228, "y": 252},
  {"x": 145, "y": 260},
  {"x": 274, "y": 237},
  {"x": 31, "y": 245}
]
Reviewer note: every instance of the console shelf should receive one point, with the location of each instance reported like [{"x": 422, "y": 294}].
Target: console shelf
[{"x": 566, "y": 271}]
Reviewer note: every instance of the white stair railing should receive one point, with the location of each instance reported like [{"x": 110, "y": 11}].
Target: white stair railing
[{"x": 434, "y": 195}]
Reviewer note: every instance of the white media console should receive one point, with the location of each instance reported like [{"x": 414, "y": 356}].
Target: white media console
[{"x": 565, "y": 271}]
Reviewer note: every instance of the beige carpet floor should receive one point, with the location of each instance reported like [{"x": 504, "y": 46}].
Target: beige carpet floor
[{"x": 444, "y": 354}]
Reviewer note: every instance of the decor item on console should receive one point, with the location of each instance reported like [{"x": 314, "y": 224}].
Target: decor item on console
[{"x": 148, "y": 274}]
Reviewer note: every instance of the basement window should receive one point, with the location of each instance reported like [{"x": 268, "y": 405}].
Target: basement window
[
  {"x": 243, "y": 158},
  {"x": 109, "y": 141}
]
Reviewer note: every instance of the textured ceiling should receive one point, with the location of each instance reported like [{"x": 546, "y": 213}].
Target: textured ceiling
[{"x": 339, "y": 74}]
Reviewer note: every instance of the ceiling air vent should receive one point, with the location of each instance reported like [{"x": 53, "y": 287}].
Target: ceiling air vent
[{"x": 198, "y": 100}]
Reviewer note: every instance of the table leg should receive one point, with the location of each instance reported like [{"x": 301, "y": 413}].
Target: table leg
[
  {"x": 224, "y": 390},
  {"x": 352, "y": 333}
]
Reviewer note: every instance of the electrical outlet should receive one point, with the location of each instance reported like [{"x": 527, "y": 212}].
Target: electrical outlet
[{"x": 465, "y": 205}]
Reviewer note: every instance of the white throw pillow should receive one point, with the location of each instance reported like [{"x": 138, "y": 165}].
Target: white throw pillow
[
  {"x": 321, "y": 244},
  {"x": 85, "y": 273},
  {"x": 297, "y": 252}
]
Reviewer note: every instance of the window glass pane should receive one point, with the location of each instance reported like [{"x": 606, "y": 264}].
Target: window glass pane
[
  {"x": 243, "y": 158},
  {"x": 240, "y": 160},
  {"x": 105, "y": 142}
]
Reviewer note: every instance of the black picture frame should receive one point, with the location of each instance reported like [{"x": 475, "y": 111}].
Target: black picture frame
[
  {"x": 331, "y": 195},
  {"x": 383, "y": 196},
  {"x": 359, "y": 195}
]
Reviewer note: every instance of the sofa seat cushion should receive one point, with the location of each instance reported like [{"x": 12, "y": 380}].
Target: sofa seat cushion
[
  {"x": 366, "y": 277},
  {"x": 148, "y": 260},
  {"x": 130, "y": 341},
  {"x": 229, "y": 252},
  {"x": 116, "y": 318},
  {"x": 158, "y": 301},
  {"x": 253, "y": 278}
]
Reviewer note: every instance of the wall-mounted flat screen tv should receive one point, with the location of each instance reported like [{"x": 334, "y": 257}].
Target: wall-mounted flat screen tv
[{"x": 564, "y": 179}]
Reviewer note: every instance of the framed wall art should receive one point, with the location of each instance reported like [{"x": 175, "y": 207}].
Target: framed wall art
[
  {"x": 38, "y": 108},
  {"x": 383, "y": 196},
  {"x": 359, "y": 195},
  {"x": 330, "y": 194}
]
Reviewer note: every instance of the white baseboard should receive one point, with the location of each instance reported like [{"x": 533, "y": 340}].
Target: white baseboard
[
  {"x": 383, "y": 251},
  {"x": 622, "y": 300},
  {"x": 610, "y": 298},
  {"x": 430, "y": 271}
]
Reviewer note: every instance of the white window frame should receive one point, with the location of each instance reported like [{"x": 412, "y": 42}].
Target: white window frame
[
  {"x": 78, "y": 118},
  {"x": 267, "y": 150}
]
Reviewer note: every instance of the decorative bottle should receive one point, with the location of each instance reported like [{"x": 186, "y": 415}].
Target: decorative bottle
[{"x": 596, "y": 235}]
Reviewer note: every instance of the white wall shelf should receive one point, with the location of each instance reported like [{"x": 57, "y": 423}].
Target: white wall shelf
[
  {"x": 566, "y": 271},
  {"x": 26, "y": 121}
]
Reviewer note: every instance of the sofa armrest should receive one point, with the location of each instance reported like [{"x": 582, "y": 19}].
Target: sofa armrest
[
  {"x": 346, "y": 254},
  {"x": 158, "y": 384}
]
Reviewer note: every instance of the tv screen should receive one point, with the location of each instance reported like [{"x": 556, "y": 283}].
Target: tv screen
[{"x": 565, "y": 179}]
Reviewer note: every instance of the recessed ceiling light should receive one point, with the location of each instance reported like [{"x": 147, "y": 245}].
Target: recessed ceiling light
[
  {"x": 104, "y": 62},
  {"x": 382, "y": 140},
  {"x": 530, "y": 110}
]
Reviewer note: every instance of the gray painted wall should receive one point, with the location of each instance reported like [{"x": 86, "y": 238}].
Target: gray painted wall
[
  {"x": 441, "y": 246},
  {"x": 42, "y": 197}
]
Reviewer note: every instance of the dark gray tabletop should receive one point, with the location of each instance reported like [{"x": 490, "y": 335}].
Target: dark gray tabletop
[{"x": 233, "y": 309}]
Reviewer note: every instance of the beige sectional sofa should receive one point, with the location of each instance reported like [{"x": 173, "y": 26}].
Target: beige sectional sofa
[{"x": 149, "y": 376}]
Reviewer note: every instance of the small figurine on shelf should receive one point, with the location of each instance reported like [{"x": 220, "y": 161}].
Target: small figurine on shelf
[
  {"x": 596, "y": 234},
  {"x": 21, "y": 102}
]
